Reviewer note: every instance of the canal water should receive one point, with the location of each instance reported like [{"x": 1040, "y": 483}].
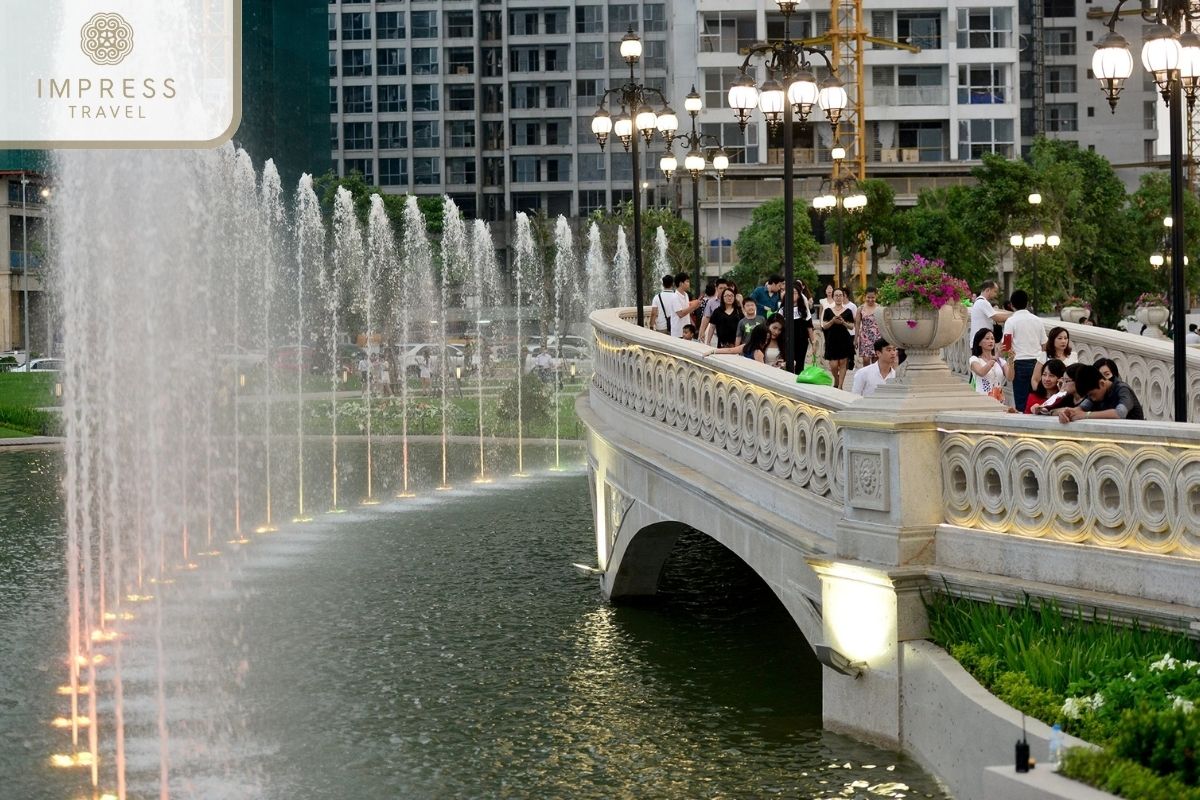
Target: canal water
[{"x": 441, "y": 647}]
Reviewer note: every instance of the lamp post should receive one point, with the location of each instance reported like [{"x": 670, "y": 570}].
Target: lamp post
[
  {"x": 1171, "y": 53},
  {"x": 840, "y": 198},
  {"x": 25, "y": 268},
  {"x": 1034, "y": 241},
  {"x": 790, "y": 91},
  {"x": 694, "y": 162},
  {"x": 634, "y": 117}
]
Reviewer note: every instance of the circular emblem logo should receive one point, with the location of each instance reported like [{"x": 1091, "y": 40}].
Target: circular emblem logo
[{"x": 106, "y": 39}]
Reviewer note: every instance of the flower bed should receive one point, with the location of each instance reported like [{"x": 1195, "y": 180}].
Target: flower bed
[{"x": 1132, "y": 690}]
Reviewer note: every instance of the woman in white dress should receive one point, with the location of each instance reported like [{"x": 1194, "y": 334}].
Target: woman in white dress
[{"x": 989, "y": 370}]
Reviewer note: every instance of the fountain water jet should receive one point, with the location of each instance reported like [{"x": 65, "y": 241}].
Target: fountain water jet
[
  {"x": 622, "y": 274},
  {"x": 416, "y": 280},
  {"x": 456, "y": 256},
  {"x": 527, "y": 276},
  {"x": 347, "y": 260},
  {"x": 310, "y": 258},
  {"x": 271, "y": 200},
  {"x": 486, "y": 286},
  {"x": 566, "y": 290}
]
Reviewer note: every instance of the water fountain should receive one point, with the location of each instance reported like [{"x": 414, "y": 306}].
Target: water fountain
[
  {"x": 600, "y": 286},
  {"x": 415, "y": 279},
  {"x": 622, "y": 271},
  {"x": 661, "y": 265},
  {"x": 271, "y": 201},
  {"x": 527, "y": 278},
  {"x": 566, "y": 291},
  {"x": 485, "y": 283},
  {"x": 247, "y": 240},
  {"x": 347, "y": 260},
  {"x": 380, "y": 259},
  {"x": 456, "y": 258},
  {"x": 310, "y": 259}
]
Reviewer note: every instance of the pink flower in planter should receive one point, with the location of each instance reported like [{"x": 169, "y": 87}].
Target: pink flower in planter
[{"x": 912, "y": 323}]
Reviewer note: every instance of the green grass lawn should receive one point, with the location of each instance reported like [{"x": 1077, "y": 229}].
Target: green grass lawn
[
  {"x": 10, "y": 433},
  {"x": 30, "y": 389}
]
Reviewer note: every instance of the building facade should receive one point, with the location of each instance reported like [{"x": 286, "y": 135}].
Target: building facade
[{"x": 23, "y": 243}]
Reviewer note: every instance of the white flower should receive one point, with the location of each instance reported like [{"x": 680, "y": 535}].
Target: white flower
[
  {"x": 1166, "y": 662},
  {"x": 1191, "y": 664},
  {"x": 1181, "y": 703},
  {"x": 1073, "y": 707},
  {"x": 1129, "y": 676}
]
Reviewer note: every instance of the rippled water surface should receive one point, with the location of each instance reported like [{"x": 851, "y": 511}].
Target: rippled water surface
[{"x": 441, "y": 647}]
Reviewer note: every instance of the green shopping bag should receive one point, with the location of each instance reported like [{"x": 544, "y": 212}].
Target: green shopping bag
[{"x": 816, "y": 375}]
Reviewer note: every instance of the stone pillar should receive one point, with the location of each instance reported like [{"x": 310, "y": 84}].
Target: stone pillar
[{"x": 893, "y": 505}]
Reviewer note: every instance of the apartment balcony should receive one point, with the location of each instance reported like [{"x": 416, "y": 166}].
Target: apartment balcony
[{"x": 883, "y": 96}]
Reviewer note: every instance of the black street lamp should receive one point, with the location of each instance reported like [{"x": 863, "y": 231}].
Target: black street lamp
[
  {"x": 635, "y": 117},
  {"x": 1171, "y": 53},
  {"x": 845, "y": 196},
  {"x": 695, "y": 162},
  {"x": 790, "y": 91}
]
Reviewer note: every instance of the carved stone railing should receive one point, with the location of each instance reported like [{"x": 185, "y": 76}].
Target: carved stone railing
[
  {"x": 750, "y": 411},
  {"x": 1145, "y": 363},
  {"x": 1112, "y": 484}
]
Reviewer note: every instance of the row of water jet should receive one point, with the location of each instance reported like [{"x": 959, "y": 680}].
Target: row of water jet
[
  {"x": 568, "y": 299},
  {"x": 485, "y": 283},
  {"x": 348, "y": 260},
  {"x": 527, "y": 279}
]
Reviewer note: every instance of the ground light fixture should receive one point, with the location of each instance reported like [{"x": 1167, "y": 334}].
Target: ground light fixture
[
  {"x": 1171, "y": 54},
  {"x": 789, "y": 94}
]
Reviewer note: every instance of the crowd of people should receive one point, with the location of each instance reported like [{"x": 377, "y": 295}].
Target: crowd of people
[{"x": 1013, "y": 359}]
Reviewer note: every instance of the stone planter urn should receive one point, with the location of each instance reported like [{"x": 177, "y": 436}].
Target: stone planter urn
[
  {"x": 1153, "y": 317},
  {"x": 922, "y": 331},
  {"x": 1072, "y": 313}
]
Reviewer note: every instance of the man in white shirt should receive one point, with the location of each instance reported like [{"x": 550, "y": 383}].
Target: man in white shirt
[
  {"x": 1025, "y": 335},
  {"x": 872, "y": 376},
  {"x": 983, "y": 314},
  {"x": 660, "y": 306},
  {"x": 684, "y": 305}
]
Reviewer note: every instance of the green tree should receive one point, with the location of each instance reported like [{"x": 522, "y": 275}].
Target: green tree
[
  {"x": 679, "y": 239},
  {"x": 1147, "y": 234},
  {"x": 877, "y": 227},
  {"x": 760, "y": 245},
  {"x": 939, "y": 227}
]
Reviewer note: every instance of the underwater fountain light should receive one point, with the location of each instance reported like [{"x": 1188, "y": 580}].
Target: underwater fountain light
[
  {"x": 65, "y": 722},
  {"x": 58, "y": 390},
  {"x": 242, "y": 380},
  {"x": 66, "y": 760}
]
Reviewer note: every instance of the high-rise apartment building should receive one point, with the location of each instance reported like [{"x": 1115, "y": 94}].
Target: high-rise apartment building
[{"x": 488, "y": 101}]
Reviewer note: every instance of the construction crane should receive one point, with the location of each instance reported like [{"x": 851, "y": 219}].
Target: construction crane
[{"x": 847, "y": 39}]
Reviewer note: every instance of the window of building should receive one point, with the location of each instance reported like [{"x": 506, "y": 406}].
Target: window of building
[
  {"x": 333, "y": 100},
  {"x": 920, "y": 28},
  {"x": 525, "y": 169},
  {"x": 523, "y": 23},
  {"x": 558, "y": 95},
  {"x": 558, "y": 131},
  {"x": 460, "y": 133},
  {"x": 493, "y": 98},
  {"x": 589, "y": 55},
  {"x": 357, "y": 99},
  {"x": 1149, "y": 115},
  {"x": 333, "y": 63},
  {"x": 524, "y": 96},
  {"x": 1061, "y": 79},
  {"x": 460, "y": 24},
  {"x": 363, "y": 166},
  {"x": 556, "y": 58},
  {"x": 984, "y": 27},
  {"x": 592, "y": 166},
  {"x": 333, "y": 27},
  {"x": 460, "y": 171},
  {"x": 979, "y": 136},
  {"x": 390, "y": 61},
  {"x": 716, "y": 85},
  {"x": 460, "y": 97},
  {"x": 591, "y": 200},
  {"x": 466, "y": 204},
  {"x": 493, "y": 172},
  {"x": 490, "y": 22},
  {"x": 1062, "y": 117},
  {"x": 589, "y": 19},
  {"x": 493, "y": 136},
  {"x": 393, "y": 172},
  {"x": 654, "y": 53},
  {"x": 726, "y": 32},
  {"x": 529, "y": 202},
  {"x": 425, "y": 97},
  {"x": 525, "y": 134},
  {"x": 620, "y": 168},
  {"x": 460, "y": 61},
  {"x": 929, "y": 139},
  {"x": 524, "y": 59},
  {"x": 357, "y": 136},
  {"x": 588, "y": 91},
  {"x": 558, "y": 168},
  {"x": 356, "y": 26},
  {"x": 1060, "y": 41},
  {"x": 427, "y": 170},
  {"x": 740, "y": 149},
  {"x": 389, "y": 24},
  {"x": 426, "y": 133},
  {"x": 393, "y": 98},
  {"x": 356, "y": 63},
  {"x": 493, "y": 62},
  {"x": 424, "y": 61},
  {"x": 621, "y": 16},
  {"x": 654, "y": 17},
  {"x": 982, "y": 84},
  {"x": 393, "y": 135},
  {"x": 555, "y": 21},
  {"x": 1059, "y": 8},
  {"x": 494, "y": 208},
  {"x": 424, "y": 26},
  {"x": 333, "y": 136}
]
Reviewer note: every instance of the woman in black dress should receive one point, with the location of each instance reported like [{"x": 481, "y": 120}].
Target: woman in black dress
[
  {"x": 837, "y": 320},
  {"x": 724, "y": 320}
]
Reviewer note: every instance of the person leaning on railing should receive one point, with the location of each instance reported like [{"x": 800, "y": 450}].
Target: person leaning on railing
[{"x": 1102, "y": 398}]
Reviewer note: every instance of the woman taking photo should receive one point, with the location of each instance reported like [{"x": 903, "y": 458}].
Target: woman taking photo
[
  {"x": 836, "y": 320},
  {"x": 1046, "y": 392},
  {"x": 990, "y": 371},
  {"x": 723, "y": 322},
  {"x": 866, "y": 325},
  {"x": 1058, "y": 345}
]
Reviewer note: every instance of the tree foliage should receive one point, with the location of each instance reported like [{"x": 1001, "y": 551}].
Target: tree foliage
[
  {"x": 760, "y": 245},
  {"x": 679, "y": 239}
]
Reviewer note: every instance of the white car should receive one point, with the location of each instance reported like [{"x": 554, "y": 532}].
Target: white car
[
  {"x": 409, "y": 357},
  {"x": 41, "y": 365}
]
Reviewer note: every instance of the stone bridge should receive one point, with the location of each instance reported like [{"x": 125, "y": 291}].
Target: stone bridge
[{"x": 849, "y": 508}]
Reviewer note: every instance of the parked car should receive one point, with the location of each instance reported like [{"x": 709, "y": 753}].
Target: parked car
[
  {"x": 295, "y": 358},
  {"x": 410, "y": 356},
  {"x": 41, "y": 365},
  {"x": 571, "y": 347}
]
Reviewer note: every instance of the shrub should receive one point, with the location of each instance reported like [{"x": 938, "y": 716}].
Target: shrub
[
  {"x": 1108, "y": 771},
  {"x": 535, "y": 402}
]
